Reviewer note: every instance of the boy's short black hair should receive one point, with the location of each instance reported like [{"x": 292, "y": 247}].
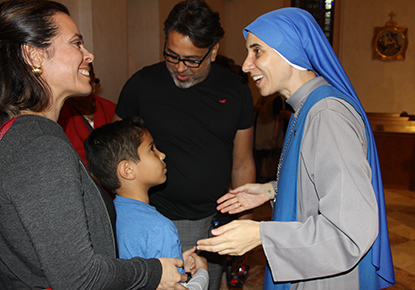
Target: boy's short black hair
[{"x": 110, "y": 144}]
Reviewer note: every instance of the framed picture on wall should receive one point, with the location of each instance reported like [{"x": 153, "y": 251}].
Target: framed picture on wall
[{"x": 390, "y": 42}]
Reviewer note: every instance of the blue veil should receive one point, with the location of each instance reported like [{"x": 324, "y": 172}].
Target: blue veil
[{"x": 295, "y": 34}]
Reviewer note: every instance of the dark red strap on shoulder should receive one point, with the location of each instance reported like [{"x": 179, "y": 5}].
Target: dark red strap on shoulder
[{"x": 6, "y": 126}]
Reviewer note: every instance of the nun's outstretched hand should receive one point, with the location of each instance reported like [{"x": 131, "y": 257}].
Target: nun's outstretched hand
[
  {"x": 245, "y": 197},
  {"x": 235, "y": 238}
]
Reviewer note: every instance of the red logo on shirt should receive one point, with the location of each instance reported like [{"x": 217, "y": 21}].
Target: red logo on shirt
[{"x": 223, "y": 101}]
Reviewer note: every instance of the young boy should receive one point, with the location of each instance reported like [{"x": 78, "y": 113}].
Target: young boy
[{"x": 122, "y": 155}]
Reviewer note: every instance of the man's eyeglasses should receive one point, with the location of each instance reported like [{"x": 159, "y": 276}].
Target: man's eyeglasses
[{"x": 187, "y": 62}]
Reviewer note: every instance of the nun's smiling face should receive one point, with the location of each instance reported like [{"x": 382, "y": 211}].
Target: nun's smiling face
[{"x": 268, "y": 69}]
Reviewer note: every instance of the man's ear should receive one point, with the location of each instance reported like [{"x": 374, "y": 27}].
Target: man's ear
[
  {"x": 214, "y": 52},
  {"x": 125, "y": 170},
  {"x": 32, "y": 55}
]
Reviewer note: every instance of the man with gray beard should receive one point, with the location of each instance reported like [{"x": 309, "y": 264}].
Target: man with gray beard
[{"x": 201, "y": 116}]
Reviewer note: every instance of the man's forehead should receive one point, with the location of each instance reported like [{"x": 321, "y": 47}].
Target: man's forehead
[{"x": 182, "y": 45}]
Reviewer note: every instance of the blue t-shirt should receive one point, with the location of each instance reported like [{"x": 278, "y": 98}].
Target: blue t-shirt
[{"x": 142, "y": 231}]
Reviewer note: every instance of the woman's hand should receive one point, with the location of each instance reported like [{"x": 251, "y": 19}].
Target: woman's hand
[
  {"x": 245, "y": 197},
  {"x": 171, "y": 277},
  {"x": 235, "y": 238}
]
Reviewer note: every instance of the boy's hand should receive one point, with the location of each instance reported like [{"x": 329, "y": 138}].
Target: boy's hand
[
  {"x": 189, "y": 262},
  {"x": 200, "y": 262}
]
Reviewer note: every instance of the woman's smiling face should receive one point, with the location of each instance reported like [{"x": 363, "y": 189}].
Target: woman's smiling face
[
  {"x": 270, "y": 72},
  {"x": 65, "y": 63}
]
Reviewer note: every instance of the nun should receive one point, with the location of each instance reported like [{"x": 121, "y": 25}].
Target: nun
[{"x": 328, "y": 227}]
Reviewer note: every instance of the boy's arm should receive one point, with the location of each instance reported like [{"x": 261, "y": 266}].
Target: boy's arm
[{"x": 199, "y": 281}]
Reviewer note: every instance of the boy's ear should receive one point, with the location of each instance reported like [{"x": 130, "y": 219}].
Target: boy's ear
[
  {"x": 33, "y": 55},
  {"x": 125, "y": 170}
]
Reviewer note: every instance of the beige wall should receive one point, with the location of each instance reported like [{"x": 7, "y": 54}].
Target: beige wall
[
  {"x": 143, "y": 27},
  {"x": 126, "y": 35},
  {"x": 110, "y": 45},
  {"x": 381, "y": 86}
]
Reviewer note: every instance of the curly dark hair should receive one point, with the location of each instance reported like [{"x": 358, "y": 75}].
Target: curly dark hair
[{"x": 195, "y": 19}]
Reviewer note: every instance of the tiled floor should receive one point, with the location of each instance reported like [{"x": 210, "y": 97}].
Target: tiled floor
[{"x": 400, "y": 206}]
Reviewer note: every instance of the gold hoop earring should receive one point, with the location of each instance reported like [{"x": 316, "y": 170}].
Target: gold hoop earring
[{"x": 37, "y": 70}]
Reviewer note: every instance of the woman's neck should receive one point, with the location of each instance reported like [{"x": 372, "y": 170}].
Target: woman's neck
[
  {"x": 300, "y": 78},
  {"x": 52, "y": 112},
  {"x": 46, "y": 114}
]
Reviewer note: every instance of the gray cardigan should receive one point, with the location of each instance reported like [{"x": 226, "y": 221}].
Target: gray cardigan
[{"x": 55, "y": 229}]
